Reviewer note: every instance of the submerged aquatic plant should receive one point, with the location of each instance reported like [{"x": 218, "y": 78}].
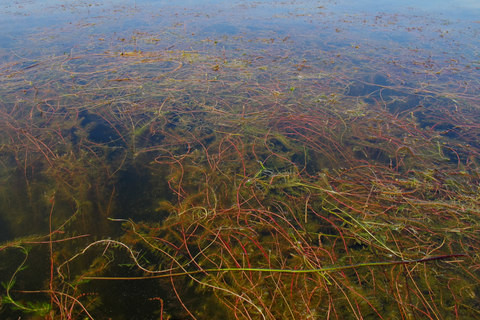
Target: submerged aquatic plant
[{"x": 205, "y": 180}]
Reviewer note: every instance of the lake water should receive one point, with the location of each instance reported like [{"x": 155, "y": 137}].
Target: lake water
[{"x": 239, "y": 159}]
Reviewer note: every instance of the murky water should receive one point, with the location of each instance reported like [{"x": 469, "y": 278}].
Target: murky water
[{"x": 243, "y": 160}]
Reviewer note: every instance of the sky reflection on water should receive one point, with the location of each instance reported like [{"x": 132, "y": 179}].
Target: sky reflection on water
[{"x": 359, "y": 112}]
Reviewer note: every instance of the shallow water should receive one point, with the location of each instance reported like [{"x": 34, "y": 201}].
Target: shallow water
[{"x": 247, "y": 159}]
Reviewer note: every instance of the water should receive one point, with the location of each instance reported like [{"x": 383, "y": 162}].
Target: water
[{"x": 247, "y": 159}]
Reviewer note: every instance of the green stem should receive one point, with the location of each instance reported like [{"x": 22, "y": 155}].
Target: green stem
[{"x": 326, "y": 269}]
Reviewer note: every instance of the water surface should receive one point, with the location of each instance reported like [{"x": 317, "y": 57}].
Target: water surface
[{"x": 245, "y": 159}]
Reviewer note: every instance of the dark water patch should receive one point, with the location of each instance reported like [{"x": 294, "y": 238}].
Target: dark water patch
[
  {"x": 4, "y": 229},
  {"x": 373, "y": 153},
  {"x": 141, "y": 300},
  {"x": 315, "y": 162},
  {"x": 427, "y": 122},
  {"x": 99, "y": 130},
  {"x": 24, "y": 205},
  {"x": 434, "y": 115},
  {"x": 449, "y": 130},
  {"x": 370, "y": 85},
  {"x": 358, "y": 246},
  {"x": 103, "y": 133},
  {"x": 139, "y": 192},
  {"x": 398, "y": 103}
]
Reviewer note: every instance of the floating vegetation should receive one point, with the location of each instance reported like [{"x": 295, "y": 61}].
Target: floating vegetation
[{"x": 252, "y": 175}]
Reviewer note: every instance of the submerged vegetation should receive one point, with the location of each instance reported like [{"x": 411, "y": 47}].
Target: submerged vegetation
[{"x": 236, "y": 178}]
